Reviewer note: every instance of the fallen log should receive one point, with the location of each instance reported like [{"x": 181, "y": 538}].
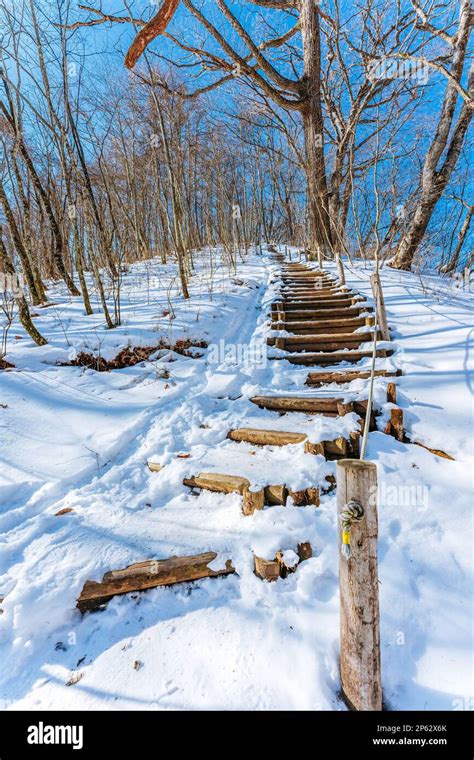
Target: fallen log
[{"x": 148, "y": 574}]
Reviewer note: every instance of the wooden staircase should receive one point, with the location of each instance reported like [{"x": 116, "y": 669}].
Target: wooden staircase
[
  {"x": 321, "y": 321},
  {"x": 320, "y": 325}
]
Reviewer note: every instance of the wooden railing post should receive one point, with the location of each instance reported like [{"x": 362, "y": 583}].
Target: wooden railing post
[
  {"x": 380, "y": 306},
  {"x": 358, "y": 585}
]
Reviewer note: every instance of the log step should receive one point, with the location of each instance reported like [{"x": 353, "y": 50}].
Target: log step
[
  {"x": 271, "y": 570},
  {"x": 312, "y": 289},
  {"x": 304, "y": 276},
  {"x": 331, "y": 407},
  {"x": 286, "y": 304},
  {"x": 255, "y": 499},
  {"x": 321, "y": 342},
  {"x": 317, "y": 295},
  {"x": 295, "y": 293},
  {"x": 313, "y": 346},
  {"x": 322, "y": 327},
  {"x": 323, "y": 338},
  {"x": 317, "y": 379},
  {"x": 328, "y": 330},
  {"x": 212, "y": 481},
  {"x": 149, "y": 574},
  {"x": 265, "y": 437},
  {"x": 305, "y": 273},
  {"x": 309, "y": 313},
  {"x": 314, "y": 405},
  {"x": 318, "y": 283},
  {"x": 334, "y": 449},
  {"x": 334, "y": 357},
  {"x": 306, "y": 282}
]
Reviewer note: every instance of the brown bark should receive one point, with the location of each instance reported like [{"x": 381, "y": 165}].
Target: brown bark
[
  {"x": 359, "y": 597},
  {"x": 319, "y": 219},
  {"x": 23, "y": 308},
  {"x": 434, "y": 177},
  {"x": 149, "y": 574},
  {"x": 452, "y": 264},
  {"x": 19, "y": 246},
  {"x": 152, "y": 29},
  {"x": 58, "y": 251}
]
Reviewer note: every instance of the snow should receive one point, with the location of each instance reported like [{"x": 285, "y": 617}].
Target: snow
[{"x": 76, "y": 438}]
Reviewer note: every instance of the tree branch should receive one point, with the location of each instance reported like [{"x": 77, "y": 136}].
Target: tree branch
[{"x": 152, "y": 29}]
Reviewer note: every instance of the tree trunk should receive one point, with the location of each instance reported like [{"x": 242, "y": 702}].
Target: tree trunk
[
  {"x": 20, "y": 248},
  {"x": 319, "y": 220},
  {"x": 434, "y": 180},
  {"x": 43, "y": 198},
  {"x": 21, "y": 302},
  {"x": 452, "y": 264}
]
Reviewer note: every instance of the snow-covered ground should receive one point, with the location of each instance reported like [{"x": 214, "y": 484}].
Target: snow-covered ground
[{"x": 76, "y": 438}]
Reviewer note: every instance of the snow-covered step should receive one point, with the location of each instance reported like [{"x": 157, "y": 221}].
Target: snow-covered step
[
  {"x": 317, "y": 379},
  {"x": 256, "y": 496},
  {"x": 330, "y": 449},
  {"x": 313, "y": 405},
  {"x": 321, "y": 327},
  {"x": 311, "y": 342},
  {"x": 323, "y": 303},
  {"x": 332, "y": 358},
  {"x": 266, "y": 437},
  {"x": 310, "y": 313},
  {"x": 307, "y": 294},
  {"x": 218, "y": 482}
]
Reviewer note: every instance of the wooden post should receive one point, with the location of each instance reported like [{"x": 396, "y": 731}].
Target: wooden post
[
  {"x": 380, "y": 306},
  {"x": 355, "y": 443},
  {"x": 343, "y": 409},
  {"x": 396, "y": 423},
  {"x": 359, "y": 593},
  {"x": 314, "y": 448},
  {"x": 391, "y": 393},
  {"x": 252, "y": 500}
]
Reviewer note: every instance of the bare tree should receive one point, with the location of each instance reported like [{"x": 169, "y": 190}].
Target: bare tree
[{"x": 449, "y": 134}]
